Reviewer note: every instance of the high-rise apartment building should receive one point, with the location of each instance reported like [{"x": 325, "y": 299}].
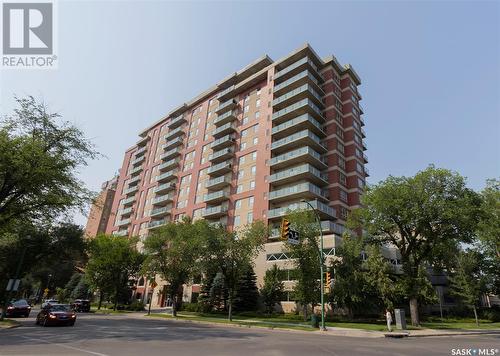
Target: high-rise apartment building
[
  {"x": 254, "y": 145},
  {"x": 100, "y": 210}
]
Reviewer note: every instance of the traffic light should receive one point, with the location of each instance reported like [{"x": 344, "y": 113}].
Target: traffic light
[
  {"x": 285, "y": 229},
  {"x": 328, "y": 279}
]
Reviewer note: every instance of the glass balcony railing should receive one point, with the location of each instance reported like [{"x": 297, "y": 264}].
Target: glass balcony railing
[
  {"x": 304, "y": 135},
  {"x": 168, "y": 175},
  {"x": 305, "y": 118},
  {"x": 317, "y": 205},
  {"x": 173, "y": 143},
  {"x": 160, "y": 211},
  {"x": 298, "y": 170},
  {"x": 295, "y": 65},
  {"x": 300, "y": 154},
  {"x": 219, "y": 167},
  {"x": 138, "y": 160},
  {"x": 224, "y": 118},
  {"x": 135, "y": 171},
  {"x": 222, "y": 154},
  {"x": 131, "y": 190},
  {"x": 228, "y": 104},
  {"x": 219, "y": 181},
  {"x": 296, "y": 190},
  {"x": 133, "y": 180},
  {"x": 215, "y": 211},
  {"x": 120, "y": 232},
  {"x": 177, "y": 121},
  {"x": 171, "y": 154},
  {"x": 222, "y": 142},
  {"x": 162, "y": 199},
  {"x": 157, "y": 223},
  {"x": 224, "y": 129},
  {"x": 128, "y": 201},
  {"x": 164, "y": 187},
  {"x": 296, "y": 80},
  {"x": 306, "y": 88},
  {"x": 126, "y": 211},
  {"x": 225, "y": 91},
  {"x": 301, "y": 106},
  {"x": 140, "y": 151},
  {"x": 123, "y": 222},
  {"x": 169, "y": 164},
  {"x": 216, "y": 196},
  {"x": 174, "y": 133}
]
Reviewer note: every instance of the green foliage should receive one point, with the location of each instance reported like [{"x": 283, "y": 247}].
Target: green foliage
[
  {"x": 426, "y": 217},
  {"x": 468, "y": 282},
  {"x": 306, "y": 258},
  {"x": 40, "y": 156},
  {"x": 81, "y": 290},
  {"x": 273, "y": 289},
  {"x": 218, "y": 292},
  {"x": 247, "y": 294},
  {"x": 379, "y": 277},
  {"x": 113, "y": 261},
  {"x": 136, "y": 305}
]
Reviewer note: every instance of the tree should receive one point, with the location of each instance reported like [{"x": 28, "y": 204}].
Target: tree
[
  {"x": 467, "y": 281},
  {"x": 273, "y": 289},
  {"x": 113, "y": 261},
  {"x": 172, "y": 253},
  {"x": 380, "y": 276},
  {"x": 424, "y": 216},
  {"x": 231, "y": 252},
  {"x": 350, "y": 290},
  {"x": 81, "y": 290},
  {"x": 218, "y": 292},
  {"x": 40, "y": 156},
  {"x": 307, "y": 258},
  {"x": 247, "y": 294}
]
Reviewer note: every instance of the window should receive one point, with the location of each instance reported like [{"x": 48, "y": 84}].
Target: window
[
  {"x": 252, "y": 184},
  {"x": 359, "y": 168},
  {"x": 257, "y": 103},
  {"x": 241, "y": 160},
  {"x": 237, "y": 204},
  {"x": 246, "y": 108},
  {"x": 343, "y": 195},
  {"x": 250, "y": 202},
  {"x": 243, "y": 145},
  {"x": 255, "y": 140},
  {"x": 236, "y": 220},
  {"x": 257, "y": 114},
  {"x": 245, "y": 120},
  {"x": 342, "y": 163},
  {"x": 253, "y": 170},
  {"x": 342, "y": 178},
  {"x": 361, "y": 183},
  {"x": 254, "y": 155},
  {"x": 239, "y": 189},
  {"x": 340, "y": 147},
  {"x": 258, "y": 91},
  {"x": 241, "y": 174},
  {"x": 244, "y": 133},
  {"x": 255, "y": 128},
  {"x": 250, "y": 218}
]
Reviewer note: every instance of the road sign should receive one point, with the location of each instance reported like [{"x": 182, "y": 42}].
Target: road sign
[
  {"x": 153, "y": 284},
  {"x": 13, "y": 285},
  {"x": 293, "y": 237}
]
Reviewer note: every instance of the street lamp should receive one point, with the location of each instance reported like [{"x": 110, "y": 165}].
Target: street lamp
[{"x": 321, "y": 262}]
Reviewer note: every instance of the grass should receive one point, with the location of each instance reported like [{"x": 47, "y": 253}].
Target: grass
[
  {"x": 108, "y": 311},
  {"x": 6, "y": 323},
  {"x": 296, "y": 322}
]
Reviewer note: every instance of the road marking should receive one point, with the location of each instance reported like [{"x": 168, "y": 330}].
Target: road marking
[{"x": 65, "y": 346}]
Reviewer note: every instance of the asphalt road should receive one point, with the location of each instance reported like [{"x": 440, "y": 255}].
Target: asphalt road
[{"x": 136, "y": 335}]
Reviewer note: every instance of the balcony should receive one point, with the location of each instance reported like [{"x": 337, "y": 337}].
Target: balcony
[
  {"x": 176, "y": 122},
  {"x": 295, "y": 68},
  {"x": 216, "y": 197},
  {"x": 137, "y": 160},
  {"x": 221, "y": 155},
  {"x": 299, "y": 191},
  {"x": 164, "y": 188},
  {"x": 135, "y": 171},
  {"x": 363, "y": 133},
  {"x": 362, "y": 121},
  {"x": 128, "y": 201},
  {"x": 225, "y": 118},
  {"x": 160, "y": 212},
  {"x": 171, "y": 154},
  {"x": 174, "y": 133},
  {"x": 367, "y": 172},
  {"x": 131, "y": 190},
  {"x": 215, "y": 211},
  {"x": 167, "y": 176},
  {"x": 120, "y": 232},
  {"x": 225, "y": 106},
  {"x": 365, "y": 158},
  {"x": 301, "y": 138},
  {"x": 123, "y": 222},
  {"x": 163, "y": 200},
  {"x": 297, "y": 173},
  {"x": 134, "y": 180},
  {"x": 226, "y": 93},
  {"x": 322, "y": 209},
  {"x": 296, "y": 81},
  {"x": 299, "y": 155},
  {"x": 218, "y": 183},
  {"x": 331, "y": 227},
  {"x": 173, "y": 163},
  {"x": 140, "y": 151},
  {"x": 222, "y": 142},
  {"x": 157, "y": 223},
  {"x": 305, "y": 91},
  {"x": 224, "y": 130},
  {"x": 294, "y": 125},
  {"x": 178, "y": 141},
  {"x": 220, "y": 169},
  {"x": 304, "y": 106},
  {"x": 363, "y": 143},
  {"x": 125, "y": 212}
]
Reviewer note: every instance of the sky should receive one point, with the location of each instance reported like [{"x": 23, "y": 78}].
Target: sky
[{"x": 430, "y": 72}]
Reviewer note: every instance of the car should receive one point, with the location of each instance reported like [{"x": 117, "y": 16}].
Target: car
[
  {"x": 56, "y": 314},
  {"x": 18, "y": 308},
  {"x": 81, "y": 305},
  {"x": 49, "y": 302}
]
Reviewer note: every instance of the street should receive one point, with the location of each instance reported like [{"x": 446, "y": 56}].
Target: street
[{"x": 134, "y": 334}]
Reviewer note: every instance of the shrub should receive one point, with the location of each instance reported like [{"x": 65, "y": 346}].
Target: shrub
[
  {"x": 192, "y": 307},
  {"x": 136, "y": 305},
  {"x": 492, "y": 314}
]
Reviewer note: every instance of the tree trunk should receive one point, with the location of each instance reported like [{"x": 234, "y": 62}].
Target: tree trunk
[
  {"x": 174, "y": 305},
  {"x": 230, "y": 313},
  {"x": 475, "y": 314},
  {"x": 304, "y": 311},
  {"x": 101, "y": 294},
  {"x": 415, "y": 320}
]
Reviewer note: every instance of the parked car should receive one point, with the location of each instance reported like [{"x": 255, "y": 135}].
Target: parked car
[
  {"x": 47, "y": 302},
  {"x": 56, "y": 314},
  {"x": 81, "y": 305},
  {"x": 18, "y": 308}
]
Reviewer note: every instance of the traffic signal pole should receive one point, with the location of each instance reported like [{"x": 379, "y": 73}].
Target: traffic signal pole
[{"x": 321, "y": 265}]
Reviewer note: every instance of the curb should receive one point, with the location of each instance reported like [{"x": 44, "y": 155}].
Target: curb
[
  {"x": 463, "y": 333},
  {"x": 10, "y": 327}
]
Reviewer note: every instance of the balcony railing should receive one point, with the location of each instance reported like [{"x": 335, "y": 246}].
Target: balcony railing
[
  {"x": 227, "y": 105},
  {"x": 299, "y": 172},
  {"x": 300, "y": 121},
  {"x": 123, "y": 222},
  {"x": 299, "y": 155},
  {"x": 320, "y": 207},
  {"x": 177, "y": 121},
  {"x": 120, "y": 232},
  {"x": 163, "y": 199},
  {"x": 166, "y": 176},
  {"x": 224, "y": 129},
  {"x": 302, "y": 190},
  {"x": 169, "y": 164},
  {"x": 301, "y": 91},
  {"x": 218, "y": 182},
  {"x": 128, "y": 201},
  {"x": 297, "y": 64},
  {"x": 220, "y": 168},
  {"x": 296, "y": 81},
  {"x": 157, "y": 223},
  {"x": 131, "y": 190},
  {"x": 300, "y": 107},
  {"x": 215, "y": 211},
  {"x": 125, "y": 212},
  {"x": 140, "y": 151},
  {"x": 226, "y": 91},
  {"x": 301, "y": 137},
  {"x": 135, "y": 171},
  {"x": 174, "y": 133},
  {"x": 164, "y": 187},
  {"x": 160, "y": 211},
  {"x": 173, "y": 143},
  {"x": 133, "y": 180},
  {"x": 137, "y": 160},
  {"x": 216, "y": 196},
  {"x": 171, "y": 154},
  {"x": 225, "y": 141},
  {"x": 225, "y": 118},
  {"x": 221, "y": 155}
]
